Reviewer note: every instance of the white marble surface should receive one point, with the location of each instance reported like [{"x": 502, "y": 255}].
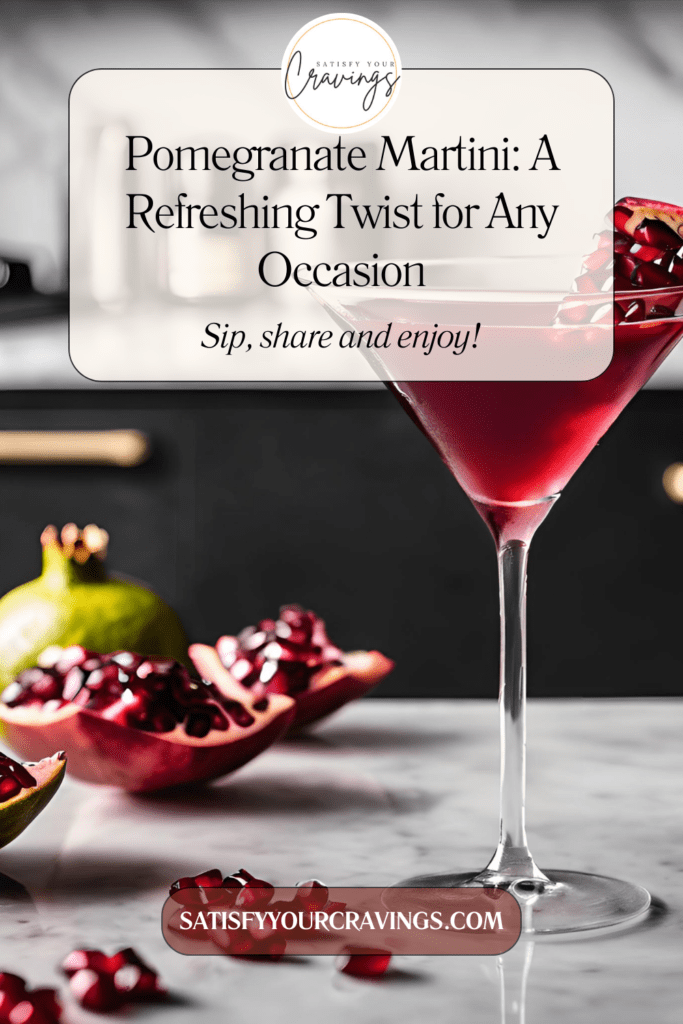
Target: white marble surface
[{"x": 380, "y": 791}]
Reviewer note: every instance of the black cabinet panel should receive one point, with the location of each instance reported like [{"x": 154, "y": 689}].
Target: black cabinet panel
[{"x": 335, "y": 500}]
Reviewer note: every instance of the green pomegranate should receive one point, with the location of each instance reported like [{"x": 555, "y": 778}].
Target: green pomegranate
[{"x": 75, "y": 601}]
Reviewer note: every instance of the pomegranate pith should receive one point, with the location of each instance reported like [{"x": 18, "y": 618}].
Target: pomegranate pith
[{"x": 139, "y": 723}]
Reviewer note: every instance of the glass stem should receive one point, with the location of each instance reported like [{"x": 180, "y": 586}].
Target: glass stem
[{"x": 512, "y": 857}]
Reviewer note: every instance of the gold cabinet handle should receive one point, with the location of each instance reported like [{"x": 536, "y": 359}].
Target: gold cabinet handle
[{"x": 75, "y": 447}]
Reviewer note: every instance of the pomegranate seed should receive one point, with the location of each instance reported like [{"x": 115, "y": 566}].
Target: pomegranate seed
[
  {"x": 635, "y": 312},
  {"x": 197, "y": 725},
  {"x": 658, "y": 234},
  {"x": 312, "y": 895},
  {"x": 647, "y": 253},
  {"x": 73, "y": 682},
  {"x": 650, "y": 275},
  {"x": 597, "y": 259},
  {"x": 46, "y": 999},
  {"x": 9, "y": 787},
  {"x": 83, "y": 959},
  {"x": 71, "y": 656},
  {"x": 27, "y": 1012},
  {"x": 363, "y": 963},
  {"x": 254, "y": 893},
  {"x": 238, "y": 713},
  {"x": 659, "y": 313},
  {"x": 621, "y": 217},
  {"x": 626, "y": 264},
  {"x": 95, "y": 991},
  {"x": 12, "y": 985},
  {"x": 13, "y": 778}
]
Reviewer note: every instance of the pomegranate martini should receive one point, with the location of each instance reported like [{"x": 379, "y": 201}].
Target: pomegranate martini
[{"x": 512, "y": 446}]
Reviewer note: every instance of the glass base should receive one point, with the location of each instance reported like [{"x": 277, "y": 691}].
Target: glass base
[{"x": 569, "y": 901}]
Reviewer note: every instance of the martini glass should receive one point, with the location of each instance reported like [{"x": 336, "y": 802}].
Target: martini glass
[{"x": 512, "y": 446}]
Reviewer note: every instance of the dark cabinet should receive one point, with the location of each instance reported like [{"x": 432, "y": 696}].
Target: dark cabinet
[{"x": 334, "y": 499}]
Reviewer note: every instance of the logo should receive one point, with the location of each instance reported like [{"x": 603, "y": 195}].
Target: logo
[{"x": 341, "y": 73}]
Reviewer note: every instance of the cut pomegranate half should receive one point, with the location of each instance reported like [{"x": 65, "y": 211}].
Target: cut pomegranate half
[{"x": 137, "y": 723}]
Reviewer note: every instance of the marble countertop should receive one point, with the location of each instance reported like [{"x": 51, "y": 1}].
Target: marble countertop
[{"x": 384, "y": 789}]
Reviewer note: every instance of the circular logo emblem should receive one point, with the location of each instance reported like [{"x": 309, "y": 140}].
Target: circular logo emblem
[{"x": 341, "y": 73}]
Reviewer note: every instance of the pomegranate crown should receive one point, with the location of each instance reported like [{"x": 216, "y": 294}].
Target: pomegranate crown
[{"x": 77, "y": 544}]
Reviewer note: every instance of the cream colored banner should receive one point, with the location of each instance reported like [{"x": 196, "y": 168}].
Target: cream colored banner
[{"x": 215, "y": 236}]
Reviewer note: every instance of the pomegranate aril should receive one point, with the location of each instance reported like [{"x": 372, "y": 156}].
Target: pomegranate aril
[
  {"x": 219, "y": 720},
  {"x": 255, "y": 893},
  {"x": 647, "y": 253},
  {"x": 71, "y": 656},
  {"x": 621, "y": 215},
  {"x": 659, "y": 313},
  {"x": 198, "y": 725},
  {"x": 622, "y": 243},
  {"x": 138, "y": 983},
  {"x": 9, "y": 787},
  {"x": 12, "y": 985},
  {"x": 597, "y": 259},
  {"x": 650, "y": 275},
  {"x": 657, "y": 234},
  {"x": 623, "y": 284},
  {"x": 73, "y": 682},
  {"x": 95, "y": 991},
  {"x": 312, "y": 895},
  {"x": 27, "y": 1012},
  {"x": 626, "y": 264},
  {"x": 238, "y": 713},
  {"x": 635, "y": 312},
  {"x": 127, "y": 659},
  {"x": 212, "y": 878},
  {"x": 157, "y": 668},
  {"x": 17, "y": 772},
  {"x": 46, "y": 999},
  {"x": 363, "y": 963},
  {"x": 83, "y": 959}
]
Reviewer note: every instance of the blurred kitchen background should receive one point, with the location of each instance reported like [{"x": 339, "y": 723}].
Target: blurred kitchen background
[{"x": 252, "y": 498}]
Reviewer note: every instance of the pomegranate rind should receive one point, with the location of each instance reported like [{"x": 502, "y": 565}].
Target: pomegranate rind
[
  {"x": 108, "y": 753},
  {"x": 17, "y": 813}
]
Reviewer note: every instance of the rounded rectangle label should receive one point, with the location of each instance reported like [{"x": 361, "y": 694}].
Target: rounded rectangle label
[{"x": 258, "y": 922}]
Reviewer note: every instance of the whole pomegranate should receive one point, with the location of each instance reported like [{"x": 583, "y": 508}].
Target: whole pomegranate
[{"x": 75, "y": 601}]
